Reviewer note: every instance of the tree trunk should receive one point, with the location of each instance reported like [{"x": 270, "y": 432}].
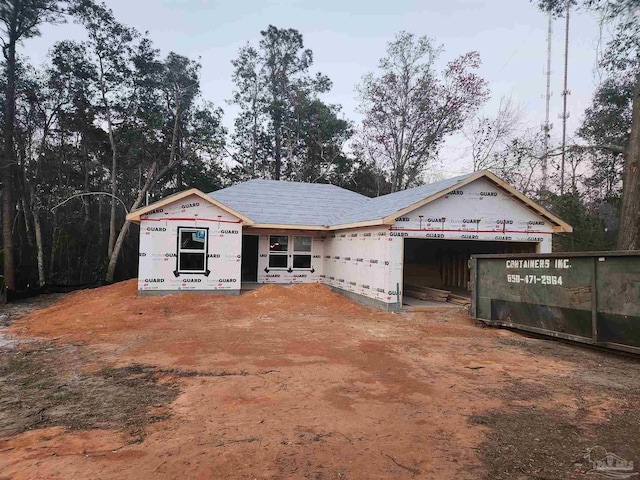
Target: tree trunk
[
  {"x": 54, "y": 243},
  {"x": 38, "y": 231},
  {"x": 174, "y": 139},
  {"x": 85, "y": 202},
  {"x": 7, "y": 170},
  {"x": 398, "y": 174},
  {"x": 100, "y": 242},
  {"x": 254, "y": 143},
  {"x": 7, "y": 222},
  {"x": 114, "y": 163},
  {"x": 629, "y": 234},
  {"x": 114, "y": 191},
  {"x": 26, "y": 213},
  {"x": 113, "y": 260},
  {"x": 278, "y": 152}
]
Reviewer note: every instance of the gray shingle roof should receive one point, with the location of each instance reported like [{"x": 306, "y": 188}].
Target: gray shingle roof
[
  {"x": 316, "y": 204},
  {"x": 289, "y": 203},
  {"x": 385, "y": 205}
]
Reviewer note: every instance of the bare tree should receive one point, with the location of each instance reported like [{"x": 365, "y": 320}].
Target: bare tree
[
  {"x": 489, "y": 134},
  {"x": 410, "y": 108},
  {"x": 520, "y": 162}
]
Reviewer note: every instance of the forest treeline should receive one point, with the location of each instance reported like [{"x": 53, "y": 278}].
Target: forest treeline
[{"x": 109, "y": 122}]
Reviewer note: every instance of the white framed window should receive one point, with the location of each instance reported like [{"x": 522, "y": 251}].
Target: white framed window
[
  {"x": 193, "y": 246},
  {"x": 279, "y": 251},
  {"x": 302, "y": 253},
  {"x": 290, "y": 252}
]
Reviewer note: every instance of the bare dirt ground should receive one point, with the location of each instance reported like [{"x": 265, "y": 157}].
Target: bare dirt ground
[{"x": 298, "y": 383}]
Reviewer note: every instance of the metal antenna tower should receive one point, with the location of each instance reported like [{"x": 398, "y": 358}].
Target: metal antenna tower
[
  {"x": 565, "y": 93},
  {"x": 547, "y": 126}
]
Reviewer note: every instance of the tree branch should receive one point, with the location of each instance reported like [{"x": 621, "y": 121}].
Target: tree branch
[
  {"x": 604, "y": 146},
  {"x": 91, "y": 193}
]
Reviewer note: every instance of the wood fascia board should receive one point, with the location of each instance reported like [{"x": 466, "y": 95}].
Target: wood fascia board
[
  {"x": 391, "y": 218},
  {"x": 136, "y": 214},
  {"x": 561, "y": 225},
  {"x": 276, "y": 226},
  {"x": 367, "y": 223}
]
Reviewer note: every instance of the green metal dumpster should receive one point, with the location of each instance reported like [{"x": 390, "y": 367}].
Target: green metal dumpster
[{"x": 591, "y": 297}]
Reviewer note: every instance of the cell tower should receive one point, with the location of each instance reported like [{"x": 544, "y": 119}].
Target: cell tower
[
  {"x": 565, "y": 93},
  {"x": 546, "y": 128}
]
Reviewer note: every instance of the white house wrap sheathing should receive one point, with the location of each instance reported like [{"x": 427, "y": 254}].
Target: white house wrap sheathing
[
  {"x": 477, "y": 211},
  {"x": 369, "y": 261},
  {"x": 159, "y": 249},
  {"x": 283, "y": 275},
  {"x": 366, "y": 262}
]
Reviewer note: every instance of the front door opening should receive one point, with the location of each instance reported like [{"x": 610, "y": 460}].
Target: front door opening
[{"x": 249, "y": 267}]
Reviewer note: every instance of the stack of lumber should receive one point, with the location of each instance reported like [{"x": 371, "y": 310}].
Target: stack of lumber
[
  {"x": 459, "y": 300},
  {"x": 426, "y": 293},
  {"x": 435, "y": 295}
]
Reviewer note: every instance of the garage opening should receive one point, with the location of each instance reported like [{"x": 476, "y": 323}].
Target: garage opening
[{"x": 438, "y": 270}]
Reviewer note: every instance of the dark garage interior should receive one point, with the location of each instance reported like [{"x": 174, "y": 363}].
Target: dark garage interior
[{"x": 443, "y": 264}]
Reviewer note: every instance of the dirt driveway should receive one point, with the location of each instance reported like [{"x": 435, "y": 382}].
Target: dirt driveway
[{"x": 299, "y": 383}]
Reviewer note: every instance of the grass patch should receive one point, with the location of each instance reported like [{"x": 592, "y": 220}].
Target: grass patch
[{"x": 45, "y": 386}]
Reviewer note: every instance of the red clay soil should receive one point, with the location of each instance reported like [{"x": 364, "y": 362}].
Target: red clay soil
[{"x": 297, "y": 382}]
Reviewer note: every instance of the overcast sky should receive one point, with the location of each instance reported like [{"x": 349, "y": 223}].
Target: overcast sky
[{"x": 348, "y": 37}]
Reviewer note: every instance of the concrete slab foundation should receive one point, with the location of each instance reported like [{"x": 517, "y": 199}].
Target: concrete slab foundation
[{"x": 160, "y": 293}]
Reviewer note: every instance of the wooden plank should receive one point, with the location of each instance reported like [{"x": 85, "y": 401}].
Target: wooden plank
[
  {"x": 455, "y": 302},
  {"x": 443, "y": 298},
  {"x": 459, "y": 299},
  {"x": 426, "y": 293}
]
